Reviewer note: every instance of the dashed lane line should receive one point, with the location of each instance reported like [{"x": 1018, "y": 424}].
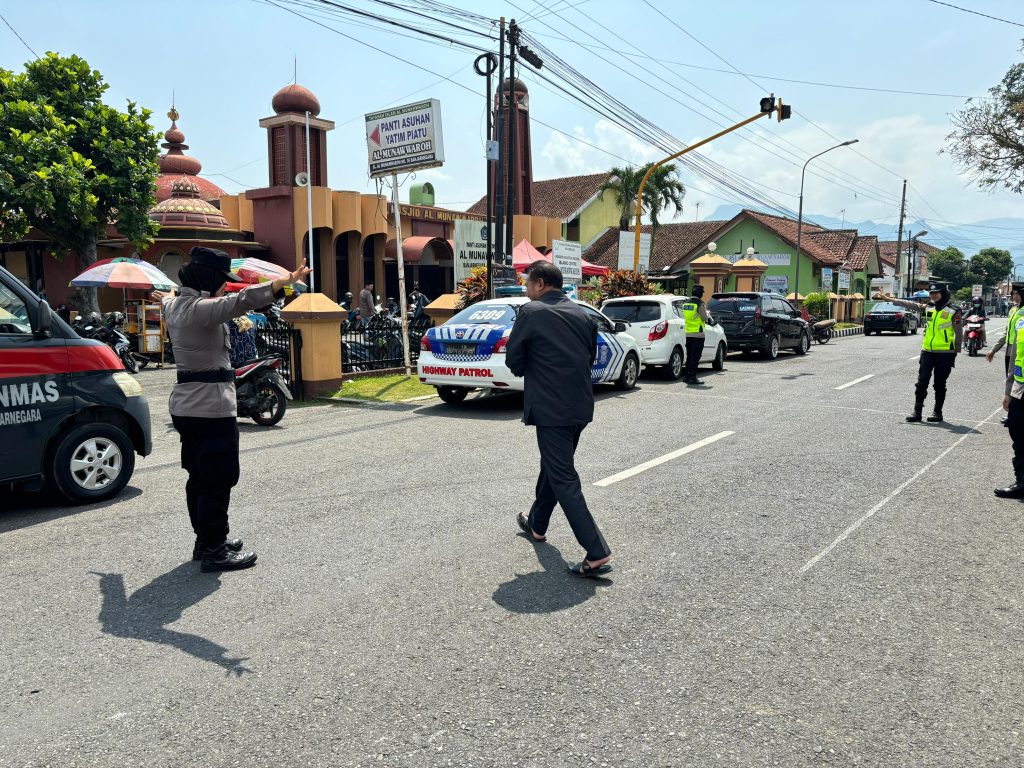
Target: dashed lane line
[
  {"x": 855, "y": 381},
  {"x": 906, "y": 484},
  {"x": 625, "y": 474}
]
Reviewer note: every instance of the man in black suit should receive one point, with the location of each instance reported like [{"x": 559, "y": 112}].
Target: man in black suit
[{"x": 553, "y": 345}]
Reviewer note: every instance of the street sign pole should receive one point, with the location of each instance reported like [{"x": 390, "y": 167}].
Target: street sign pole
[
  {"x": 309, "y": 211},
  {"x": 402, "y": 300}
]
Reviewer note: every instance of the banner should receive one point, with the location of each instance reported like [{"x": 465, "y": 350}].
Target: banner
[
  {"x": 470, "y": 247},
  {"x": 776, "y": 284},
  {"x": 627, "y": 246},
  {"x": 568, "y": 257},
  {"x": 826, "y": 279},
  {"x": 844, "y": 280}
]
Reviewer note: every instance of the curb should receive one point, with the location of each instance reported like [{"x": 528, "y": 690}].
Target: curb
[
  {"x": 848, "y": 332},
  {"x": 377, "y": 403}
]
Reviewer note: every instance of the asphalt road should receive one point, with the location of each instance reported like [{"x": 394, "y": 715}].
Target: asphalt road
[{"x": 824, "y": 585}]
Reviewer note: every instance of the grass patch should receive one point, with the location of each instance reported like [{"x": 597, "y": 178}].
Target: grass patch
[
  {"x": 384, "y": 389},
  {"x": 841, "y": 326}
]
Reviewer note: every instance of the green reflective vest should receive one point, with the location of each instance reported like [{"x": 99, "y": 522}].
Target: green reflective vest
[
  {"x": 938, "y": 331},
  {"x": 1011, "y": 326},
  {"x": 691, "y": 314},
  {"x": 1018, "y": 360}
]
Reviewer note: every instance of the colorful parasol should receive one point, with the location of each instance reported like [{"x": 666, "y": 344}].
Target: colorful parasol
[
  {"x": 254, "y": 271},
  {"x": 123, "y": 272}
]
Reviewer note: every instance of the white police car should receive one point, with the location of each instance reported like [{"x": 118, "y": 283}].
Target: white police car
[{"x": 468, "y": 352}]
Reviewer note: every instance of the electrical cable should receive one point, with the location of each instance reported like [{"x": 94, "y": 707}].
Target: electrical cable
[
  {"x": 19, "y": 36},
  {"x": 977, "y": 13}
]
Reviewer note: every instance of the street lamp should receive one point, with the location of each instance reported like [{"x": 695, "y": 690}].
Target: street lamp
[
  {"x": 800, "y": 215},
  {"x": 912, "y": 256}
]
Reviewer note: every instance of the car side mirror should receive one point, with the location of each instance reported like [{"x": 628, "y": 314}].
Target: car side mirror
[
  {"x": 44, "y": 321},
  {"x": 620, "y": 326}
]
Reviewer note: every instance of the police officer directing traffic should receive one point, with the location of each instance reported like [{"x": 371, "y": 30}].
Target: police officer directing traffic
[
  {"x": 1014, "y": 407},
  {"x": 943, "y": 336},
  {"x": 695, "y": 314},
  {"x": 203, "y": 405}
]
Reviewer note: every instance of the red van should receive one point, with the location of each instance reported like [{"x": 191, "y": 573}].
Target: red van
[{"x": 71, "y": 417}]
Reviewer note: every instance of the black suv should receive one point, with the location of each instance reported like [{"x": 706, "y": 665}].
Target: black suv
[{"x": 765, "y": 322}]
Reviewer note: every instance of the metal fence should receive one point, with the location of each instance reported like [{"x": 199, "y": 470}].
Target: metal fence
[
  {"x": 378, "y": 344},
  {"x": 286, "y": 341}
]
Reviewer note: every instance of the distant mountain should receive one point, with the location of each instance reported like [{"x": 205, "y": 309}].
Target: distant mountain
[{"x": 1007, "y": 232}]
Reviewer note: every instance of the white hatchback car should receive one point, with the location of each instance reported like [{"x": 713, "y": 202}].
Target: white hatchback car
[{"x": 656, "y": 323}]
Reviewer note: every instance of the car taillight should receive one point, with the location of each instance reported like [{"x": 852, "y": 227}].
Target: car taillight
[
  {"x": 658, "y": 332},
  {"x": 898, "y": 315},
  {"x": 425, "y": 344},
  {"x": 499, "y": 345}
]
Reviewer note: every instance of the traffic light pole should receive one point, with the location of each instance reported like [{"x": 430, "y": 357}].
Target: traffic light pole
[{"x": 643, "y": 182}]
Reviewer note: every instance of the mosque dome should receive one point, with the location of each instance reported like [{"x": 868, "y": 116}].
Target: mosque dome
[
  {"x": 175, "y": 163},
  {"x": 295, "y": 98},
  {"x": 186, "y": 208}
]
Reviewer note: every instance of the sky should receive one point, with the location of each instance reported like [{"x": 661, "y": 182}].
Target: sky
[{"x": 224, "y": 60}]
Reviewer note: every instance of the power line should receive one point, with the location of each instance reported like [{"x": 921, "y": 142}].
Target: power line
[
  {"x": 976, "y": 13},
  {"x": 19, "y": 36}
]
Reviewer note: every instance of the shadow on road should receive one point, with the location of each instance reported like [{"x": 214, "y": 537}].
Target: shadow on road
[
  {"x": 145, "y": 614},
  {"x": 21, "y": 509},
  {"x": 552, "y": 589}
]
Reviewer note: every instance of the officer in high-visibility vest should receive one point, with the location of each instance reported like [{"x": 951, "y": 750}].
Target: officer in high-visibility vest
[
  {"x": 695, "y": 314},
  {"x": 943, "y": 337},
  {"x": 1009, "y": 338},
  {"x": 1014, "y": 408}
]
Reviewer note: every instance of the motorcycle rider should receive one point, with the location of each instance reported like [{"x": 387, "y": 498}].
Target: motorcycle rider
[
  {"x": 943, "y": 337},
  {"x": 978, "y": 308}
]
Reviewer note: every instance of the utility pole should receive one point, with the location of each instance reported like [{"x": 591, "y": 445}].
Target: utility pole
[
  {"x": 513, "y": 118},
  {"x": 696, "y": 216},
  {"x": 899, "y": 236},
  {"x": 501, "y": 136}
]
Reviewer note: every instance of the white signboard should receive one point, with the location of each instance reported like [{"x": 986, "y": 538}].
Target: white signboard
[
  {"x": 844, "y": 280},
  {"x": 776, "y": 284},
  {"x": 886, "y": 285},
  {"x": 627, "y": 244},
  {"x": 976, "y": 290},
  {"x": 568, "y": 257},
  {"x": 771, "y": 259},
  {"x": 405, "y": 138},
  {"x": 826, "y": 279},
  {"x": 470, "y": 247}
]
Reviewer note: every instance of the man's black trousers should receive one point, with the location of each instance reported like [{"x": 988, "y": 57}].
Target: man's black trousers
[
  {"x": 694, "y": 349},
  {"x": 560, "y": 483},
  {"x": 1015, "y": 426},
  {"x": 209, "y": 453},
  {"x": 939, "y": 365}
]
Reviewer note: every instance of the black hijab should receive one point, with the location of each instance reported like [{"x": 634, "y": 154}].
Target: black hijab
[{"x": 199, "y": 277}]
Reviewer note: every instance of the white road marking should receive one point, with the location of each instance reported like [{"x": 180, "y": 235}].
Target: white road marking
[
  {"x": 871, "y": 512},
  {"x": 661, "y": 460},
  {"x": 855, "y": 381}
]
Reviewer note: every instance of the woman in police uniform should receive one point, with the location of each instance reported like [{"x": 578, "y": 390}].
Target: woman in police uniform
[
  {"x": 203, "y": 406},
  {"x": 943, "y": 335},
  {"x": 695, "y": 315}
]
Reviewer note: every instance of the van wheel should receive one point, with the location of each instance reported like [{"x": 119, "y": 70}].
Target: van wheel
[
  {"x": 93, "y": 462},
  {"x": 804, "y": 345},
  {"x": 718, "y": 364},
  {"x": 452, "y": 395},
  {"x": 674, "y": 369},
  {"x": 630, "y": 372},
  {"x": 770, "y": 350}
]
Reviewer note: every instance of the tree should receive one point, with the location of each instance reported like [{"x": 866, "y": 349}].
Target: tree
[
  {"x": 663, "y": 191},
  {"x": 73, "y": 165},
  {"x": 950, "y": 265},
  {"x": 988, "y": 137},
  {"x": 989, "y": 266}
]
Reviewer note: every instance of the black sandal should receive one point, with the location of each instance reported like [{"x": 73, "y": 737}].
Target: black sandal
[
  {"x": 589, "y": 572},
  {"x": 524, "y": 524}
]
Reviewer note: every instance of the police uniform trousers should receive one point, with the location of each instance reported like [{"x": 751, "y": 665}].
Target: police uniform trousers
[
  {"x": 209, "y": 453},
  {"x": 1015, "y": 426},
  {"x": 694, "y": 349},
  {"x": 939, "y": 365},
  {"x": 559, "y": 483}
]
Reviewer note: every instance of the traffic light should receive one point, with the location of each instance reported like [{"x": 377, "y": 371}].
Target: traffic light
[
  {"x": 768, "y": 104},
  {"x": 784, "y": 111}
]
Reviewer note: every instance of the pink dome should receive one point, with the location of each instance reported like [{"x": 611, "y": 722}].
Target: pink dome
[{"x": 295, "y": 98}]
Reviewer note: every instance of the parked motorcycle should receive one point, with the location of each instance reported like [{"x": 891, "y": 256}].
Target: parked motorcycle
[
  {"x": 974, "y": 330},
  {"x": 261, "y": 390},
  {"x": 821, "y": 330},
  {"x": 93, "y": 326}
]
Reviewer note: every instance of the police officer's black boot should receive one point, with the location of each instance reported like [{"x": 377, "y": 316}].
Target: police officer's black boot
[
  {"x": 223, "y": 559},
  {"x": 1015, "y": 491},
  {"x": 916, "y": 415},
  {"x": 936, "y": 416},
  {"x": 233, "y": 544}
]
